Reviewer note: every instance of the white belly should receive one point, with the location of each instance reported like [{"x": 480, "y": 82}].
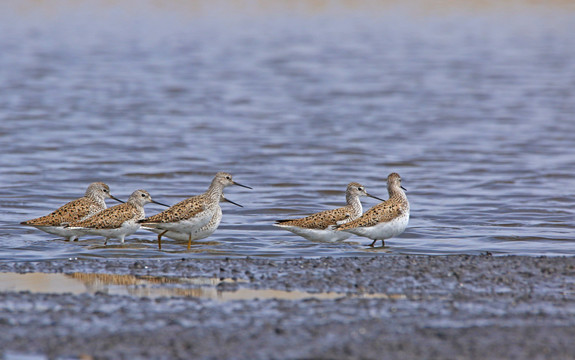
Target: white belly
[
  {"x": 186, "y": 226},
  {"x": 127, "y": 228},
  {"x": 327, "y": 235},
  {"x": 197, "y": 234},
  {"x": 179, "y": 236},
  {"x": 60, "y": 231},
  {"x": 384, "y": 230}
]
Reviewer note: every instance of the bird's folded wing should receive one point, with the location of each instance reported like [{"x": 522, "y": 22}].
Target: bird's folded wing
[
  {"x": 382, "y": 212},
  {"x": 73, "y": 211},
  {"x": 110, "y": 218},
  {"x": 181, "y": 211},
  {"x": 321, "y": 220}
]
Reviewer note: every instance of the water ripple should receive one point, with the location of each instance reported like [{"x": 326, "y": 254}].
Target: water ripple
[{"x": 475, "y": 113}]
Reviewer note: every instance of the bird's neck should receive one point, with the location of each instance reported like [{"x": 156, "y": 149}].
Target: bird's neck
[
  {"x": 215, "y": 192},
  {"x": 355, "y": 203},
  {"x": 134, "y": 203},
  {"x": 98, "y": 200},
  {"x": 397, "y": 193}
]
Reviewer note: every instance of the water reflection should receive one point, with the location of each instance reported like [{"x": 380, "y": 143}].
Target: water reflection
[{"x": 157, "y": 286}]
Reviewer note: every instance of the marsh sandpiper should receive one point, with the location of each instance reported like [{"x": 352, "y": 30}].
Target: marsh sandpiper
[
  {"x": 384, "y": 220},
  {"x": 118, "y": 221},
  {"x": 191, "y": 214},
  {"x": 321, "y": 226},
  {"x": 199, "y": 234},
  {"x": 77, "y": 210}
]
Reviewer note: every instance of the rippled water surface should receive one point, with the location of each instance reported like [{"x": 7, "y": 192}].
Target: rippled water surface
[{"x": 473, "y": 106}]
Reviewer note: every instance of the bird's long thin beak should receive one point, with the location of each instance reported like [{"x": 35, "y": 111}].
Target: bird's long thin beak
[
  {"x": 115, "y": 198},
  {"x": 159, "y": 203},
  {"x": 231, "y": 202},
  {"x": 404, "y": 189},
  {"x": 238, "y": 184},
  {"x": 375, "y": 197}
]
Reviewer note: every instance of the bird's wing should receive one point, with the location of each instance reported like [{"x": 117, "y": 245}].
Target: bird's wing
[
  {"x": 73, "y": 211},
  {"x": 320, "y": 220},
  {"x": 183, "y": 210},
  {"x": 383, "y": 212},
  {"x": 110, "y": 218}
]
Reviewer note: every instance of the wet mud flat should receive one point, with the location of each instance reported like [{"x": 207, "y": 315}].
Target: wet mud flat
[{"x": 448, "y": 307}]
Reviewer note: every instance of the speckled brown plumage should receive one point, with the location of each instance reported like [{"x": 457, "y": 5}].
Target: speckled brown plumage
[
  {"x": 75, "y": 210},
  {"x": 385, "y": 220},
  {"x": 198, "y": 234},
  {"x": 323, "y": 220},
  {"x": 111, "y": 218},
  {"x": 383, "y": 212},
  {"x": 183, "y": 210},
  {"x": 386, "y": 211},
  {"x": 116, "y": 216},
  {"x": 118, "y": 221},
  {"x": 192, "y": 206},
  {"x": 190, "y": 215},
  {"x": 91, "y": 203}
]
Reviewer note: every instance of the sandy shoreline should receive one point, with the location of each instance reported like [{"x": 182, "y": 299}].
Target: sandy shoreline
[{"x": 450, "y": 307}]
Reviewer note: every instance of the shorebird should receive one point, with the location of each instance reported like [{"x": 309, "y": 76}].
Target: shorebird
[
  {"x": 384, "y": 220},
  {"x": 199, "y": 234},
  {"x": 80, "y": 209},
  {"x": 118, "y": 221},
  {"x": 321, "y": 226},
  {"x": 191, "y": 214}
]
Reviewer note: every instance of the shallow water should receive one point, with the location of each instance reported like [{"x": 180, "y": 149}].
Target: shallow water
[{"x": 473, "y": 106}]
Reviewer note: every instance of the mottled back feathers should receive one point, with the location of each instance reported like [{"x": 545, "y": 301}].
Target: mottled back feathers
[
  {"x": 76, "y": 210},
  {"x": 91, "y": 203},
  {"x": 181, "y": 211},
  {"x": 321, "y": 220}
]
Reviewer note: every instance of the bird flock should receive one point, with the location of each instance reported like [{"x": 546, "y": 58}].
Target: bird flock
[{"x": 197, "y": 217}]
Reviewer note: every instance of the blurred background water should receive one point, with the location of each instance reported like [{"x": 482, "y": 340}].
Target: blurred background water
[{"x": 473, "y": 104}]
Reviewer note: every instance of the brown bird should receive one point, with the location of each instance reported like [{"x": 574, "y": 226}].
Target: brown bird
[
  {"x": 385, "y": 220},
  {"x": 191, "y": 214},
  {"x": 321, "y": 226},
  {"x": 118, "y": 221},
  {"x": 91, "y": 203}
]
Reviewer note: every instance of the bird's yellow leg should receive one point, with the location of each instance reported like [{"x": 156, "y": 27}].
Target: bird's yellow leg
[{"x": 160, "y": 239}]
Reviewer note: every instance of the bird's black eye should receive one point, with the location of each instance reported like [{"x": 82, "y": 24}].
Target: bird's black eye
[
  {"x": 228, "y": 177},
  {"x": 105, "y": 190},
  {"x": 143, "y": 195},
  {"x": 360, "y": 188}
]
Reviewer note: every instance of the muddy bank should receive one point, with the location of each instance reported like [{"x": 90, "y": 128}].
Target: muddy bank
[{"x": 455, "y": 307}]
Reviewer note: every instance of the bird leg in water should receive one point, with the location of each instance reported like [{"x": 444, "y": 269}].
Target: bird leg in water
[{"x": 160, "y": 239}]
